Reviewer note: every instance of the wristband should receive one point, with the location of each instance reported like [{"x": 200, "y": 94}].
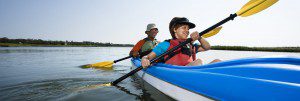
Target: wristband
[
  {"x": 145, "y": 57},
  {"x": 200, "y": 37}
]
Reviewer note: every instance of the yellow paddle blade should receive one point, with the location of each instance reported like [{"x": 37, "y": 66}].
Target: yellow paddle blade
[
  {"x": 212, "y": 32},
  {"x": 255, "y": 6},
  {"x": 105, "y": 64},
  {"x": 91, "y": 87}
]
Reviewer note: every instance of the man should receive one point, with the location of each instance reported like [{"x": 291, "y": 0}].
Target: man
[{"x": 145, "y": 46}]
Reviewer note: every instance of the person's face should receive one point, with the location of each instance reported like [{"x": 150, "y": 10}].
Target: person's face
[
  {"x": 153, "y": 32},
  {"x": 182, "y": 32}
]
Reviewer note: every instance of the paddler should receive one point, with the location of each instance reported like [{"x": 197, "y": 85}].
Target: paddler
[
  {"x": 145, "y": 46},
  {"x": 186, "y": 56}
]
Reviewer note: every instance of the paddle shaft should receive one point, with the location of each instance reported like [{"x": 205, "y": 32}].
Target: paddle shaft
[
  {"x": 127, "y": 57},
  {"x": 231, "y": 17},
  {"x": 122, "y": 59},
  {"x": 115, "y": 61}
]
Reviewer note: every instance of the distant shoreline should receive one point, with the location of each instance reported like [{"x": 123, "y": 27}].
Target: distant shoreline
[
  {"x": 236, "y": 48},
  {"x": 5, "y": 42},
  {"x": 45, "y": 45},
  {"x": 268, "y": 49}
]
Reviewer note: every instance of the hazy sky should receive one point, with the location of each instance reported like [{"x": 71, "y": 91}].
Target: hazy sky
[{"x": 124, "y": 21}]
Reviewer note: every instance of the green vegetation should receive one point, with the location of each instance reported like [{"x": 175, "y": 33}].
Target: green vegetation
[
  {"x": 271, "y": 49},
  {"x": 5, "y": 42}
]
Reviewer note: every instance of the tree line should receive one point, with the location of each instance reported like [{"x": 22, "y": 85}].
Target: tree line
[
  {"x": 5, "y": 42},
  {"x": 40, "y": 42},
  {"x": 271, "y": 49}
]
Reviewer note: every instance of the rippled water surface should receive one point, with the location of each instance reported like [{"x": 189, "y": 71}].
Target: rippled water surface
[{"x": 54, "y": 73}]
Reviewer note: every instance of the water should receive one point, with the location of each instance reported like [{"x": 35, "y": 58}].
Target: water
[{"x": 54, "y": 73}]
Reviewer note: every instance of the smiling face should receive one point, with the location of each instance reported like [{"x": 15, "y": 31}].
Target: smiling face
[{"x": 181, "y": 31}]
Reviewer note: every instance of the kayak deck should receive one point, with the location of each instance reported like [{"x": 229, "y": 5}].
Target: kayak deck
[{"x": 242, "y": 79}]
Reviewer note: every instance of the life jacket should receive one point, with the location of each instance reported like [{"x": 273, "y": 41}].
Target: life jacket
[
  {"x": 181, "y": 56},
  {"x": 147, "y": 46}
]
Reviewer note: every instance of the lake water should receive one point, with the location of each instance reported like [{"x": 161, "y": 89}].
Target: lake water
[{"x": 54, "y": 73}]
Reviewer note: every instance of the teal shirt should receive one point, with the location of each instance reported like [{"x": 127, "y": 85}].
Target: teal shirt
[{"x": 163, "y": 47}]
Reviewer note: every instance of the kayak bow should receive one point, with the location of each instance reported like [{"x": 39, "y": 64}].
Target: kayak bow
[{"x": 235, "y": 80}]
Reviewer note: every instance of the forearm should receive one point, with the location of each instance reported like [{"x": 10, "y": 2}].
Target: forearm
[
  {"x": 204, "y": 44},
  {"x": 150, "y": 56},
  {"x": 146, "y": 59}
]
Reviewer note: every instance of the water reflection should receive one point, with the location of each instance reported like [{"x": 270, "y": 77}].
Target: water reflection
[
  {"x": 53, "y": 73},
  {"x": 62, "y": 89},
  {"x": 40, "y": 90}
]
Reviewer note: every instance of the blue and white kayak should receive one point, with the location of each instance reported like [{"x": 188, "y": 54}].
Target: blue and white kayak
[{"x": 267, "y": 79}]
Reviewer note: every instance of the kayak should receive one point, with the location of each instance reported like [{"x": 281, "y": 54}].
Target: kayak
[{"x": 272, "y": 78}]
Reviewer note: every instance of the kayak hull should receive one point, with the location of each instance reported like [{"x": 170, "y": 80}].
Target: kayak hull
[
  {"x": 171, "y": 90},
  {"x": 242, "y": 79}
]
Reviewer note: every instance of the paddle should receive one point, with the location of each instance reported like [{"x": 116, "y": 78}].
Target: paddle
[
  {"x": 212, "y": 32},
  {"x": 105, "y": 64},
  {"x": 252, "y": 7},
  {"x": 108, "y": 64}
]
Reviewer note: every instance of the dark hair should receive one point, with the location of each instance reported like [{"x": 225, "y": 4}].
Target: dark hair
[{"x": 176, "y": 22}]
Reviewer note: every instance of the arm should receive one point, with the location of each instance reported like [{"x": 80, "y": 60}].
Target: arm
[
  {"x": 204, "y": 44},
  {"x": 158, "y": 50},
  {"x": 146, "y": 59}
]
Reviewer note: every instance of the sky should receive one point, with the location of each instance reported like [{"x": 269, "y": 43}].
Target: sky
[{"x": 125, "y": 21}]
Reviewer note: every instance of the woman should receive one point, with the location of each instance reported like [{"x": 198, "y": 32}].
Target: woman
[{"x": 184, "y": 56}]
